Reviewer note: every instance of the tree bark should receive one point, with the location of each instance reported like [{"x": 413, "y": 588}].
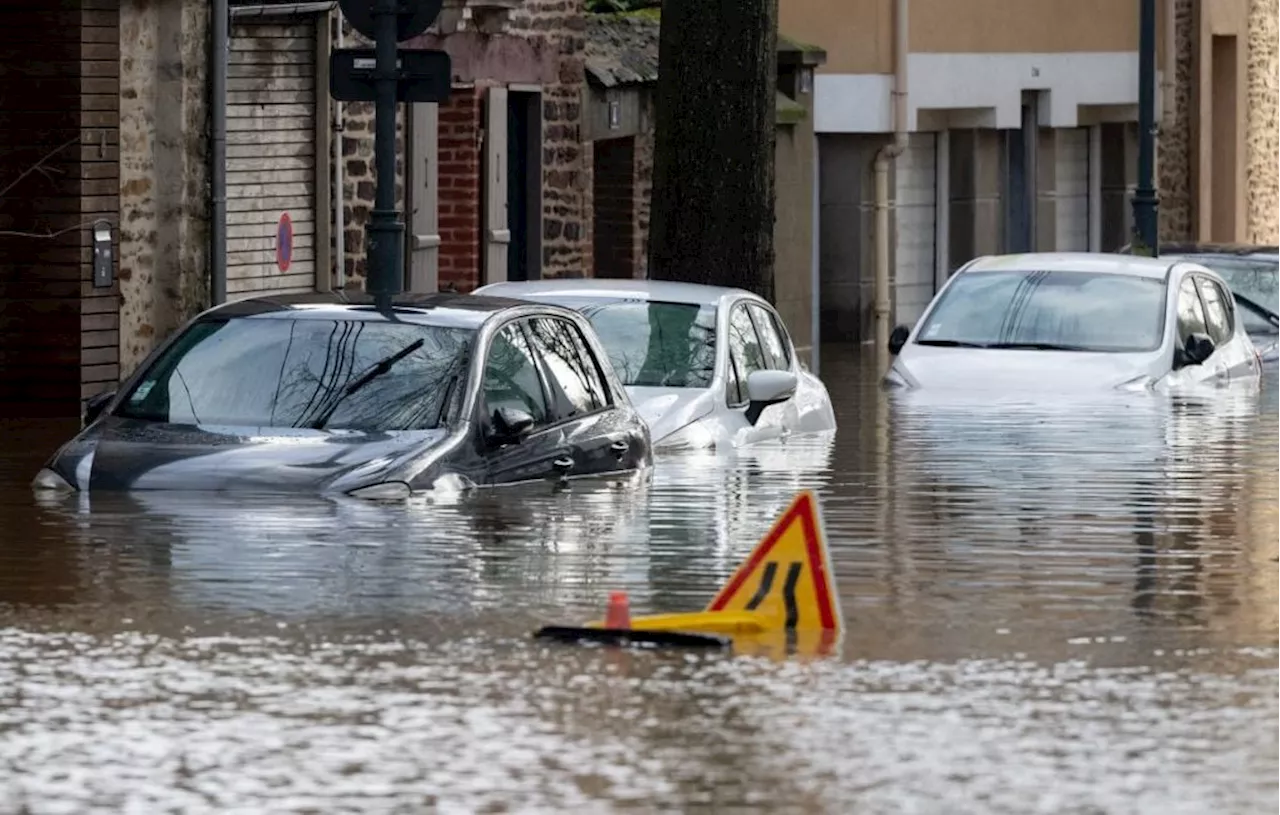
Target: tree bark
[{"x": 713, "y": 169}]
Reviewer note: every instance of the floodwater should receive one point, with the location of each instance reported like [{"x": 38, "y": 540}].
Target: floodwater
[{"x": 1057, "y": 608}]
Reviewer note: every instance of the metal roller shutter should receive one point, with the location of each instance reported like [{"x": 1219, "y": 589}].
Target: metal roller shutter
[
  {"x": 914, "y": 258},
  {"x": 1072, "y": 184},
  {"x": 271, "y": 156}
]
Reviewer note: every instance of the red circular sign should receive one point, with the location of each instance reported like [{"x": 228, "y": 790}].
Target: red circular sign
[{"x": 284, "y": 242}]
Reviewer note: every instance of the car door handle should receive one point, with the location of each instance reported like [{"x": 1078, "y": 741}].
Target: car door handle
[
  {"x": 563, "y": 463},
  {"x": 620, "y": 447}
]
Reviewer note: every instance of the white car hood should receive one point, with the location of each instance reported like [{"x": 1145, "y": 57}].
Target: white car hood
[
  {"x": 1015, "y": 369},
  {"x": 666, "y": 410}
]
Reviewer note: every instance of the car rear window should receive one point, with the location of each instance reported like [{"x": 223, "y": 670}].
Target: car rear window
[
  {"x": 277, "y": 372},
  {"x": 654, "y": 343},
  {"x": 1083, "y": 311}
]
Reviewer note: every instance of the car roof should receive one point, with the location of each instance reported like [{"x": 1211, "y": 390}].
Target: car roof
[
  {"x": 445, "y": 309},
  {"x": 664, "y": 290},
  {"x": 1236, "y": 249},
  {"x": 1083, "y": 262}
]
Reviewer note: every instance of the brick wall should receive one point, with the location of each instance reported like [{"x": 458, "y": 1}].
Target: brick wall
[
  {"x": 460, "y": 188},
  {"x": 613, "y": 204},
  {"x": 643, "y": 191}
]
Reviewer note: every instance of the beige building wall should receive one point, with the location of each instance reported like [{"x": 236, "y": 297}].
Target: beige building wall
[{"x": 1263, "y": 125}]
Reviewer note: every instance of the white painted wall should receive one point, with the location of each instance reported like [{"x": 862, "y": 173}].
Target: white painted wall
[{"x": 861, "y": 103}]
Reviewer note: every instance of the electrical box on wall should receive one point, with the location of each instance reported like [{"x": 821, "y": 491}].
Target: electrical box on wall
[{"x": 103, "y": 265}]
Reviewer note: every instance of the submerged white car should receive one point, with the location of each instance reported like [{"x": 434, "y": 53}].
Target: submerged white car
[
  {"x": 1073, "y": 321},
  {"x": 704, "y": 365}
]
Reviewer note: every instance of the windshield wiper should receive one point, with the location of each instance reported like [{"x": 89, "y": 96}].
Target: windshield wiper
[
  {"x": 1040, "y": 346},
  {"x": 376, "y": 370},
  {"x": 953, "y": 344}
]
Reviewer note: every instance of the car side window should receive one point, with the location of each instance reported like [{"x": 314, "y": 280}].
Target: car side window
[
  {"x": 776, "y": 356},
  {"x": 574, "y": 380},
  {"x": 746, "y": 354},
  {"x": 511, "y": 377},
  {"x": 1190, "y": 311},
  {"x": 1217, "y": 312}
]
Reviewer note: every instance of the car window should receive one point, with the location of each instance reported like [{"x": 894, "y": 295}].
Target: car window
[
  {"x": 575, "y": 383},
  {"x": 279, "y": 372},
  {"x": 1256, "y": 279},
  {"x": 1217, "y": 311},
  {"x": 653, "y": 343},
  {"x": 511, "y": 377},
  {"x": 1088, "y": 311},
  {"x": 746, "y": 353},
  {"x": 775, "y": 349},
  {"x": 1191, "y": 318}
]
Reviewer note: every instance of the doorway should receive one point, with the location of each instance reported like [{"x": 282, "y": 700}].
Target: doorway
[{"x": 524, "y": 184}]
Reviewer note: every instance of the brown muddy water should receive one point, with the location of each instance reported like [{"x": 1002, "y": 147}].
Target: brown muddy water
[{"x": 1053, "y": 608}]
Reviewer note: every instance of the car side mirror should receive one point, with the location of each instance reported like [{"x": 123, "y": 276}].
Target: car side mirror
[
  {"x": 1197, "y": 349},
  {"x": 510, "y": 425},
  {"x": 766, "y": 388},
  {"x": 898, "y": 338},
  {"x": 94, "y": 406}
]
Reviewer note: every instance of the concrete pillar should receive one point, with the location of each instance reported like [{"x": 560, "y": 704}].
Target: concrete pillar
[{"x": 1046, "y": 235}]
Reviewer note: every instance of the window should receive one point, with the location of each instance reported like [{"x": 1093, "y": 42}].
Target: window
[
  {"x": 272, "y": 371},
  {"x": 1254, "y": 279},
  {"x": 576, "y": 386},
  {"x": 511, "y": 377},
  {"x": 655, "y": 343},
  {"x": 746, "y": 354},
  {"x": 1076, "y": 311},
  {"x": 1190, "y": 312},
  {"x": 1217, "y": 311},
  {"x": 777, "y": 356}
]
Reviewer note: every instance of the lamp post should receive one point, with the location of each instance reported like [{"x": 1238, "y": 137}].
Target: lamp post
[{"x": 1146, "y": 201}]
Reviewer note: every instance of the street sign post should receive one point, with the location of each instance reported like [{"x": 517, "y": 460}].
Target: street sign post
[
  {"x": 421, "y": 76},
  {"x": 386, "y": 76}
]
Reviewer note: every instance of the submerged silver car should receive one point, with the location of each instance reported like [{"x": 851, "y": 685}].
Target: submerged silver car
[
  {"x": 1072, "y": 321},
  {"x": 704, "y": 365}
]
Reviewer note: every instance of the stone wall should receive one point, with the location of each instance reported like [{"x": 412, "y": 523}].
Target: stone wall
[
  {"x": 164, "y": 160},
  {"x": 1262, "y": 140},
  {"x": 1174, "y": 153},
  {"x": 359, "y": 170},
  {"x": 566, "y": 167}
]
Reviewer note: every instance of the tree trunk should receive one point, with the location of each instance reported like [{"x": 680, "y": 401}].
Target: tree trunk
[{"x": 713, "y": 170}]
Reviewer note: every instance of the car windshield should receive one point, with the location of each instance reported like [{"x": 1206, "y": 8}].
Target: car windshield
[
  {"x": 274, "y": 372},
  {"x": 1254, "y": 279},
  {"x": 1073, "y": 311},
  {"x": 654, "y": 343}
]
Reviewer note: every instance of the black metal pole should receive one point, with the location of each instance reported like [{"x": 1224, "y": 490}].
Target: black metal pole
[
  {"x": 1146, "y": 202},
  {"x": 385, "y": 231}
]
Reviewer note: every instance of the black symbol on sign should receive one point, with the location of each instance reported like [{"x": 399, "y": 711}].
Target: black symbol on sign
[{"x": 788, "y": 590}]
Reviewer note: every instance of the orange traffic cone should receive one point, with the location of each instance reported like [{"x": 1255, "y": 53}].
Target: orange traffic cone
[{"x": 618, "y": 614}]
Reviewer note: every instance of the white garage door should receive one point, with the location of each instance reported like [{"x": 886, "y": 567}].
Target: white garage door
[
  {"x": 271, "y": 157},
  {"x": 1072, "y": 184},
  {"x": 914, "y": 256}
]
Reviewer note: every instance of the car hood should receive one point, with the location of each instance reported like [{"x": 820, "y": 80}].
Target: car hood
[
  {"x": 1019, "y": 370},
  {"x": 666, "y": 410},
  {"x": 123, "y": 454}
]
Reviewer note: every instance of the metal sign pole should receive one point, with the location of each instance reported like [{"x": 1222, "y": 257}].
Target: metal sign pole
[{"x": 385, "y": 230}]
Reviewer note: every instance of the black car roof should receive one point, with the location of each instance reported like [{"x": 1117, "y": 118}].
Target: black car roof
[{"x": 443, "y": 308}]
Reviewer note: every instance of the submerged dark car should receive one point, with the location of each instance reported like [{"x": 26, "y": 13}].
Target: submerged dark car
[{"x": 328, "y": 393}]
